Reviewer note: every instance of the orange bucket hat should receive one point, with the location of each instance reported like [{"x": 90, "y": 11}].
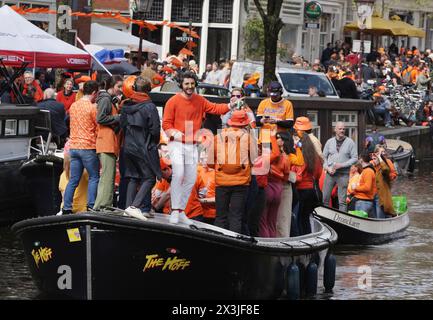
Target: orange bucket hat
[
  {"x": 303, "y": 123},
  {"x": 239, "y": 118}
]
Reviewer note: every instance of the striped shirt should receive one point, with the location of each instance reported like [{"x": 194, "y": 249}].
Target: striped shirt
[{"x": 83, "y": 125}]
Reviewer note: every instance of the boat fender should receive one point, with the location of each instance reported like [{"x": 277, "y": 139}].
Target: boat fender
[
  {"x": 330, "y": 267},
  {"x": 293, "y": 282},
  {"x": 311, "y": 279}
]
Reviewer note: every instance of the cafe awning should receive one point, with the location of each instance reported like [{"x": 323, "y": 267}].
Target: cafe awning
[
  {"x": 383, "y": 27},
  {"x": 406, "y": 29}
]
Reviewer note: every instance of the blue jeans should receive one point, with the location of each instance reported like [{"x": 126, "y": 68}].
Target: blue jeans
[
  {"x": 384, "y": 113},
  {"x": 366, "y": 206},
  {"x": 377, "y": 209},
  {"x": 81, "y": 159}
]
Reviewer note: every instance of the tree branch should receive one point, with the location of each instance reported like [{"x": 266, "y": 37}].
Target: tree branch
[{"x": 260, "y": 9}]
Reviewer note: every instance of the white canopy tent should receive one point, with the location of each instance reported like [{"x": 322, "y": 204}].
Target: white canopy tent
[
  {"x": 110, "y": 38},
  {"x": 22, "y": 41}
]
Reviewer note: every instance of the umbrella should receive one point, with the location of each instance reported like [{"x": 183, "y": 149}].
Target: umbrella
[
  {"x": 393, "y": 27},
  {"x": 122, "y": 68},
  {"x": 407, "y": 29}
]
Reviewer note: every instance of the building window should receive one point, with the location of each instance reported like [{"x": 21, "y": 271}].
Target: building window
[
  {"x": 314, "y": 118},
  {"x": 219, "y": 44},
  {"x": 350, "y": 120},
  {"x": 23, "y": 127},
  {"x": 11, "y": 127},
  {"x": 186, "y": 10},
  {"x": 156, "y": 12},
  {"x": 220, "y": 11}
]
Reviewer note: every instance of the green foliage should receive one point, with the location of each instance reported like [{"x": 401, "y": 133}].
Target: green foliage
[{"x": 254, "y": 39}]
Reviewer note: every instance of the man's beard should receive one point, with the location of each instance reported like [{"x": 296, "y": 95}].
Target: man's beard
[{"x": 185, "y": 91}]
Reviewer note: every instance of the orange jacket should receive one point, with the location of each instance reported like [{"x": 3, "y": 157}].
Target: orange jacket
[
  {"x": 366, "y": 189},
  {"x": 180, "y": 112},
  {"x": 239, "y": 177},
  {"x": 107, "y": 141}
]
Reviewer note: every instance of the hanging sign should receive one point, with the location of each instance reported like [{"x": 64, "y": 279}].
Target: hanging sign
[{"x": 313, "y": 10}]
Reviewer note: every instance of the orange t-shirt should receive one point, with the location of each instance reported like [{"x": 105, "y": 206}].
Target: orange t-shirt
[
  {"x": 208, "y": 177},
  {"x": 193, "y": 207},
  {"x": 83, "y": 125},
  {"x": 279, "y": 111},
  {"x": 158, "y": 189}
]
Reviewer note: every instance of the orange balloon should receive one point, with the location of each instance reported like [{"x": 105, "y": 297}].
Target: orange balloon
[{"x": 128, "y": 83}]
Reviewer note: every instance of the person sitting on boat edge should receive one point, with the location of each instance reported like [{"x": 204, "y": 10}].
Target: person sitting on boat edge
[
  {"x": 160, "y": 198},
  {"x": 232, "y": 155},
  {"x": 79, "y": 202},
  {"x": 365, "y": 190},
  {"x": 161, "y": 194},
  {"x": 385, "y": 174},
  {"x": 141, "y": 127}
]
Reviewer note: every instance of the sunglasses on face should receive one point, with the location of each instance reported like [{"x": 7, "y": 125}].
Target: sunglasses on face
[{"x": 236, "y": 95}]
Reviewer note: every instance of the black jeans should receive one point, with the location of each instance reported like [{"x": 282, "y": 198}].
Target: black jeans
[
  {"x": 230, "y": 204},
  {"x": 255, "y": 211},
  {"x": 307, "y": 202},
  {"x": 138, "y": 172}
]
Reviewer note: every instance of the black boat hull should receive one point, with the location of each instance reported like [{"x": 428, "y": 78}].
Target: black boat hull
[
  {"x": 112, "y": 257},
  {"x": 15, "y": 195},
  {"x": 362, "y": 231}
]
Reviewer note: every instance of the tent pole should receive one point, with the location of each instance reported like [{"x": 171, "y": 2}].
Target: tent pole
[{"x": 97, "y": 61}]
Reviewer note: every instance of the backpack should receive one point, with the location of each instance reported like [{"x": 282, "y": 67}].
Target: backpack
[{"x": 233, "y": 152}]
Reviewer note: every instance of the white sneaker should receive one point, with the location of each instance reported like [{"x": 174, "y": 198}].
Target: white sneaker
[
  {"x": 184, "y": 219},
  {"x": 135, "y": 212},
  {"x": 174, "y": 217}
]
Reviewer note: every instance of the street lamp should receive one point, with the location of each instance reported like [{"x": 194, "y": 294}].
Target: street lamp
[
  {"x": 364, "y": 10},
  {"x": 141, "y": 6}
]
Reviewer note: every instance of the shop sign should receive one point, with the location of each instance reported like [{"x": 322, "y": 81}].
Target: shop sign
[
  {"x": 309, "y": 25},
  {"x": 313, "y": 10},
  {"x": 184, "y": 38}
]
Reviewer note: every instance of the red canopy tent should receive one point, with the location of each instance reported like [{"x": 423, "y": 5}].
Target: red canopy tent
[{"x": 21, "y": 41}]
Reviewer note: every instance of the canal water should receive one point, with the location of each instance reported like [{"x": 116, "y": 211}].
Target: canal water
[{"x": 402, "y": 269}]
